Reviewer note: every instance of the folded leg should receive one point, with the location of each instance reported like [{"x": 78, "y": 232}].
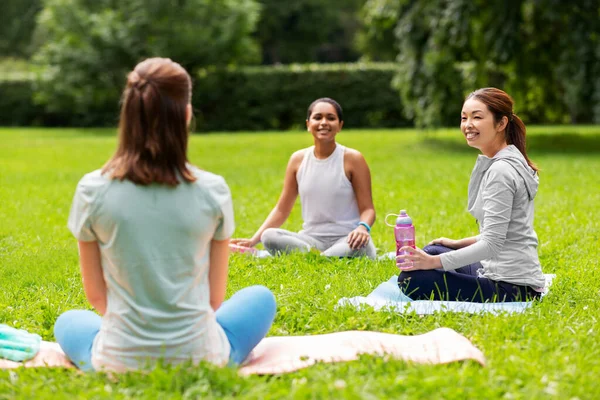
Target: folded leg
[
  {"x": 283, "y": 241},
  {"x": 341, "y": 248}
]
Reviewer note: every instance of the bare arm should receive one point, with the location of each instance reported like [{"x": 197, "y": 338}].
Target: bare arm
[
  {"x": 94, "y": 285},
  {"x": 361, "y": 183},
  {"x": 217, "y": 272},
  {"x": 358, "y": 173},
  {"x": 283, "y": 208}
]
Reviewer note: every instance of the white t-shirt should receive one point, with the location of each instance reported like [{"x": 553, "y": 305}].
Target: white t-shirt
[{"x": 155, "y": 243}]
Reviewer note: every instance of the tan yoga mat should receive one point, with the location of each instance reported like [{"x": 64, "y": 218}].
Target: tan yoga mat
[{"x": 281, "y": 354}]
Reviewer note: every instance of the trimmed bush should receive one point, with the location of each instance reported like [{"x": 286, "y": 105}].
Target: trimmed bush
[
  {"x": 16, "y": 105},
  {"x": 276, "y": 97},
  {"x": 248, "y": 98},
  {"x": 18, "y": 108}
]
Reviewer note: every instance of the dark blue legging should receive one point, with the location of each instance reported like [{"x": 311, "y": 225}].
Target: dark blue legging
[{"x": 461, "y": 284}]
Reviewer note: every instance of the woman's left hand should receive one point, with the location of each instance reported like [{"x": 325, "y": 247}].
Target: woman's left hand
[
  {"x": 417, "y": 259},
  {"x": 358, "y": 238}
]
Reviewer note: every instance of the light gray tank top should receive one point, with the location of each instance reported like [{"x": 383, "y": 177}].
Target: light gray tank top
[{"x": 328, "y": 201}]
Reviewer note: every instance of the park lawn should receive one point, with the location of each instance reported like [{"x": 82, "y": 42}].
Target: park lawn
[{"x": 550, "y": 351}]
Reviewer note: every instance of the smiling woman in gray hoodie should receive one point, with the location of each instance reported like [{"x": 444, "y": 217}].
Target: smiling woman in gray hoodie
[{"x": 501, "y": 263}]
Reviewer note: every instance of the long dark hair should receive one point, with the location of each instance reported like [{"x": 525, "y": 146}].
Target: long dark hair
[
  {"x": 501, "y": 105},
  {"x": 153, "y": 131}
]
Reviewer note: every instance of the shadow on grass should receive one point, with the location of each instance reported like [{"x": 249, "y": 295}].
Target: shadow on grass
[{"x": 565, "y": 143}]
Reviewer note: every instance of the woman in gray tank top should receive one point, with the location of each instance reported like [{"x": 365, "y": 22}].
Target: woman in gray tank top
[{"x": 334, "y": 185}]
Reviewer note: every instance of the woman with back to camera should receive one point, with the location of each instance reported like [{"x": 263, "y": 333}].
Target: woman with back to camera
[
  {"x": 334, "y": 184},
  {"x": 153, "y": 234},
  {"x": 501, "y": 263}
]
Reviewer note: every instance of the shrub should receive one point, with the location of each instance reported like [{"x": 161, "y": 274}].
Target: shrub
[
  {"x": 276, "y": 97},
  {"x": 16, "y": 105},
  {"x": 90, "y": 46},
  {"x": 235, "y": 99}
]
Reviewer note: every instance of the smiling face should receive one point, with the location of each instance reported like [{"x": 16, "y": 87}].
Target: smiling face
[
  {"x": 324, "y": 122},
  {"x": 480, "y": 129}
]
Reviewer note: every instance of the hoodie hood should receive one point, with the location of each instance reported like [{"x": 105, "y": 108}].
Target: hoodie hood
[{"x": 515, "y": 159}]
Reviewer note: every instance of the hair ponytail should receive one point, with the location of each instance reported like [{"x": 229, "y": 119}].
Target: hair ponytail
[
  {"x": 515, "y": 135},
  {"x": 153, "y": 129},
  {"x": 501, "y": 105}
]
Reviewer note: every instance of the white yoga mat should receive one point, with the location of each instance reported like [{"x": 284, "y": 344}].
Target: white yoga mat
[{"x": 388, "y": 296}]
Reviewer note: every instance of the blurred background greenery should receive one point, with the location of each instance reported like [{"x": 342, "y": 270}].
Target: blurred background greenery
[{"x": 257, "y": 64}]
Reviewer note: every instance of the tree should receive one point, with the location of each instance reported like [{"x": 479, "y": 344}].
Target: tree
[
  {"x": 375, "y": 39},
  {"x": 545, "y": 53},
  {"x": 17, "y": 24},
  {"x": 91, "y": 44},
  {"x": 302, "y": 31}
]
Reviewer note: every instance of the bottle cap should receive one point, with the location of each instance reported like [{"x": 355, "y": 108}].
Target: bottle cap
[{"x": 403, "y": 218}]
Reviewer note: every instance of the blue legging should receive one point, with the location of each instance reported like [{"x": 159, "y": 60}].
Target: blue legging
[
  {"x": 246, "y": 318},
  {"x": 462, "y": 284}
]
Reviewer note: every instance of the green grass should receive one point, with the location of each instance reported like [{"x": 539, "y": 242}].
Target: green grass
[{"x": 550, "y": 351}]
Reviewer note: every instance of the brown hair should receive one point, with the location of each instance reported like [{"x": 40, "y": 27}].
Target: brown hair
[
  {"x": 335, "y": 104},
  {"x": 153, "y": 131},
  {"x": 501, "y": 105}
]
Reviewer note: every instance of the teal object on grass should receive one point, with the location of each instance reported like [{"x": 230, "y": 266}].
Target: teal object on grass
[{"x": 18, "y": 344}]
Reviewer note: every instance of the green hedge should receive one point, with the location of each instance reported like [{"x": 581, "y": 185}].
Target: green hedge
[
  {"x": 248, "y": 98},
  {"x": 16, "y": 105},
  {"x": 276, "y": 97}
]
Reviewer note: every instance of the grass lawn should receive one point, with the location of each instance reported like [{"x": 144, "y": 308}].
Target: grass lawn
[{"x": 550, "y": 351}]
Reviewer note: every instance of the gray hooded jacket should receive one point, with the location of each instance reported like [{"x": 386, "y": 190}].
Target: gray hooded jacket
[{"x": 501, "y": 193}]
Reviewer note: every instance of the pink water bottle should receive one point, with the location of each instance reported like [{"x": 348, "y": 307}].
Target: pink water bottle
[{"x": 404, "y": 233}]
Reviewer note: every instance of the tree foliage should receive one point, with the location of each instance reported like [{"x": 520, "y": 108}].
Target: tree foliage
[
  {"x": 303, "y": 31},
  {"x": 545, "y": 53},
  {"x": 375, "y": 39},
  {"x": 91, "y": 44},
  {"x": 17, "y": 24}
]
